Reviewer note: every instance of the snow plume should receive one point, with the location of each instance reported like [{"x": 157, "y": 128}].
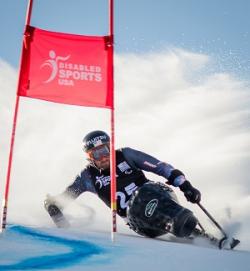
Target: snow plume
[{"x": 169, "y": 104}]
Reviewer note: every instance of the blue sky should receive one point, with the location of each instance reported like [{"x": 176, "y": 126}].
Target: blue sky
[{"x": 218, "y": 28}]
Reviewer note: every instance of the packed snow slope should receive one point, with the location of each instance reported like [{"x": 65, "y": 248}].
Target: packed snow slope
[{"x": 24, "y": 248}]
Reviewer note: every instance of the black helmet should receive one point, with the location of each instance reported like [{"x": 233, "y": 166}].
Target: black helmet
[{"x": 95, "y": 139}]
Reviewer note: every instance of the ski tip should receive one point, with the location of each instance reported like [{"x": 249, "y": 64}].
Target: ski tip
[
  {"x": 234, "y": 243},
  {"x": 225, "y": 244}
]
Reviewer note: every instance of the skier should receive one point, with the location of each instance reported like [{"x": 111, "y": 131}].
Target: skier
[{"x": 133, "y": 188}]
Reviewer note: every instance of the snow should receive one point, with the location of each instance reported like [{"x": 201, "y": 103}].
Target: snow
[{"x": 26, "y": 248}]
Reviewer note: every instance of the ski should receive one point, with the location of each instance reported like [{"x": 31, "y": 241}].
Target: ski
[{"x": 223, "y": 243}]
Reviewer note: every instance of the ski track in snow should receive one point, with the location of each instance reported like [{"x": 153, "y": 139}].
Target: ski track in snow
[{"x": 78, "y": 250}]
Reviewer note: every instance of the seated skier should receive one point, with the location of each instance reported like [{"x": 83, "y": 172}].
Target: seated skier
[{"x": 133, "y": 189}]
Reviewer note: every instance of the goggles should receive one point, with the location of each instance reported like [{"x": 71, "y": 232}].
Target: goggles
[{"x": 99, "y": 152}]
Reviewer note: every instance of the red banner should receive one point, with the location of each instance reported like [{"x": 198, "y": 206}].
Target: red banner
[{"x": 65, "y": 68}]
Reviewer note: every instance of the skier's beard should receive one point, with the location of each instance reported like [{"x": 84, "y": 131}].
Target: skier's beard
[{"x": 103, "y": 164}]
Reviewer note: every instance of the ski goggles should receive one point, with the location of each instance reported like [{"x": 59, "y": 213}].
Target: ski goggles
[{"x": 99, "y": 152}]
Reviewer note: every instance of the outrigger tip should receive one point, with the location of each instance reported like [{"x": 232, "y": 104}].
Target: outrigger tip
[{"x": 234, "y": 243}]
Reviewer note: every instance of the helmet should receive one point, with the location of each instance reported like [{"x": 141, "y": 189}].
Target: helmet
[{"x": 95, "y": 139}]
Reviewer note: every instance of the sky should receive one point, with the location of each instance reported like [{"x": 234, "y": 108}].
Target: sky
[
  {"x": 216, "y": 28},
  {"x": 182, "y": 95}
]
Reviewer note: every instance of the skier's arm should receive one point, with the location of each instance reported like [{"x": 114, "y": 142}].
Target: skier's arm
[
  {"x": 55, "y": 204},
  {"x": 174, "y": 176},
  {"x": 149, "y": 163}
]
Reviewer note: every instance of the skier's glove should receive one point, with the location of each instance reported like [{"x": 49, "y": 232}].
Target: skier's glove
[
  {"x": 54, "y": 210},
  {"x": 50, "y": 200},
  {"x": 192, "y": 194}
]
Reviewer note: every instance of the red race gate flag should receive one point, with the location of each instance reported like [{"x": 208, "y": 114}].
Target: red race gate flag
[{"x": 66, "y": 68}]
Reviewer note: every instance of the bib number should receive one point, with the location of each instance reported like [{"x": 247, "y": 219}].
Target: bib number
[{"x": 129, "y": 189}]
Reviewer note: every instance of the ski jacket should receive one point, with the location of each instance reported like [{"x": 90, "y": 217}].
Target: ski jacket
[{"x": 130, "y": 165}]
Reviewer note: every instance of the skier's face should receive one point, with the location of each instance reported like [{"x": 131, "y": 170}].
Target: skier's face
[{"x": 100, "y": 156}]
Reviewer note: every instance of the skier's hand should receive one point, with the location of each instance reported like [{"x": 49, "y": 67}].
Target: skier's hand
[
  {"x": 55, "y": 212},
  {"x": 192, "y": 194},
  {"x": 50, "y": 200}
]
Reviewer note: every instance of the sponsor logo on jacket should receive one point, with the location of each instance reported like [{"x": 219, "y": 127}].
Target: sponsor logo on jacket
[
  {"x": 102, "y": 181},
  {"x": 124, "y": 167}
]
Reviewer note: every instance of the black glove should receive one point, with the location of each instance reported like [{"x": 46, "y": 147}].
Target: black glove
[{"x": 192, "y": 194}]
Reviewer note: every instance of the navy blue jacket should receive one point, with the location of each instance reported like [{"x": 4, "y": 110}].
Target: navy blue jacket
[{"x": 130, "y": 165}]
